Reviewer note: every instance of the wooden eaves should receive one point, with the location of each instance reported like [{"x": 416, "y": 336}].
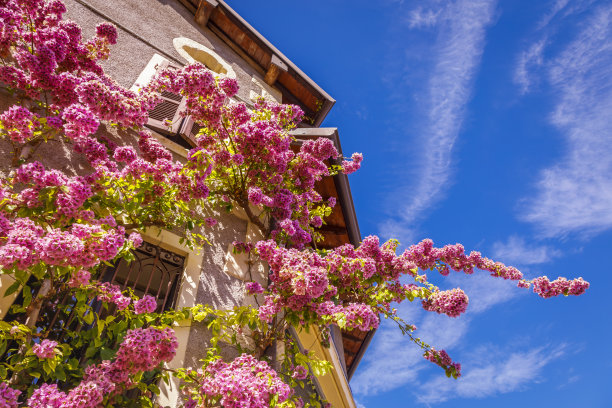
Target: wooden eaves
[{"x": 278, "y": 71}]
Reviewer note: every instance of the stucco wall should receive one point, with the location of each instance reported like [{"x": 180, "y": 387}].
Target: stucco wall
[{"x": 158, "y": 22}]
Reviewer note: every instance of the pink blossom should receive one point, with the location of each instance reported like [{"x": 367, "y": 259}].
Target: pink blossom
[
  {"x": 145, "y": 305},
  {"x": 442, "y": 359},
  {"x": 136, "y": 239},
  {"x": 349, "y": 167},
  {"x": 79, "y": 278},
  {"x": 253, "y": 288},
  {"x": 300, "y": 372},
  {"x": 46, "y": 349},
  {"x": 145, "y": 349},
  {"x": 244, "y": 383},
  {"x": 450, "y": 302},
  {"x": 47, "y": 396},
  {"x": 107, "y": 31},
  {"x": 8, "y": 396}
]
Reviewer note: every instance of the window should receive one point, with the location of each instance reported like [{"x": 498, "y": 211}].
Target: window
[
  {"x": 181, "y": 130},
  {"x": 155, "y": 271}
]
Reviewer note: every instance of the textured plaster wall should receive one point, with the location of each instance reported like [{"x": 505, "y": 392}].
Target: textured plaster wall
[{"x": 158, "y": 22}]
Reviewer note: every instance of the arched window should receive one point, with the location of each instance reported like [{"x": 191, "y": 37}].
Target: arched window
[{"x": 195, "y": 52}]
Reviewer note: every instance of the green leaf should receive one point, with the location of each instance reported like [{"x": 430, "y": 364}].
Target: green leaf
[
  {"x": 34, "y": 374},
  {"x": 154, "y": 388},
  {"x": 12, "y": 289},
  {"x": 89, "y": 318},
  {"x": 60, "y": 374},
  {"x": 106, "y": 353}
]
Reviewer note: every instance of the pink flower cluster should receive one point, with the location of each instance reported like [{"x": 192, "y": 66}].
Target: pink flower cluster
[
  {"x": 253, "y": 288},
  {"x": 141, "y": 350},
  {"x": 300, "y": 372},
  {"x": 303, "y": 282},
  {"x": 19, "y": 123},
  {"x": 8, "y": 396},
  {"x": 46, "y": 349},
  {"x": 349, "y": 167},
  {"x": 560, "y": 286},
  {"x": 136, "y": 239},
  {"x": 425, "y": 256},
  {"x": 81, "y": 246},
  {"x": 450, "y": 302},
  {"x": 79, "y": 278},
  {"x": 145, "y": 349},
  {"x": 52, "y": 58},
  {"x": 244, "y": 383},
  {"x": 442, "y": 359},
  {"x": 111, "y": 293},
  {"x": 259, "y": 166},
  {"x": 145, "y": 305},
  {"x": 47, "y": 396},
  {"x": 71, "y": 192}
]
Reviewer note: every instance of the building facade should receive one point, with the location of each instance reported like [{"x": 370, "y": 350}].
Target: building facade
[{"x": 154, "y": 34}]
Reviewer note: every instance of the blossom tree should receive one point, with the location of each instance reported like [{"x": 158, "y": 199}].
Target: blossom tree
[{"x": 59, "y": 227}]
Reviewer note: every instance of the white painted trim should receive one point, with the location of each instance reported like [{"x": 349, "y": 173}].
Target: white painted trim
[
  {"x": 333, "y": 385},
  {"x": 182, "y": 43},
  {"x": 170, "y": 394}
]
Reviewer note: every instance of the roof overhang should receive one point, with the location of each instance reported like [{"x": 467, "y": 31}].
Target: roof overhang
[{"x": 278, "y": 71}]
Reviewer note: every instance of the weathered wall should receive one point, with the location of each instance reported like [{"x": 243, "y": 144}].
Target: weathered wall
[{"x": 157, "y": 22}]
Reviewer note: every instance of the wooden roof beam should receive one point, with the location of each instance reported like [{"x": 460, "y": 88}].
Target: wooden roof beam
[
  {"x": 334, "y": 229},
  {"x": 204, "y": 11},
  {"x": 276, "y": 67},
  {"x": 353, "y": 337}
]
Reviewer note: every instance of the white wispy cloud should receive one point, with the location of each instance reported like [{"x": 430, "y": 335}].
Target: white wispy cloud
[
  {"x": 485, "y": 292},
  {"x": 563, "y": 8},
  {"x": 419, "y": 18},
  {"x": 461, "y": 31},
  {"x": 382, "y": 370},
  {"x": 527, "y": 61},
  {"x": 575, "y": 195},
  {"x": 516, "y": 251},
  {"x": 395, "y": 362},
  {"x": 400, "y": 231},
  {"x": 557, "y": 6},
  {"x": 494, "y": 376}
]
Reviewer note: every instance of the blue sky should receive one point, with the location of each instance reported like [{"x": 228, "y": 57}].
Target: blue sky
[{"x": 487, "y": 123}]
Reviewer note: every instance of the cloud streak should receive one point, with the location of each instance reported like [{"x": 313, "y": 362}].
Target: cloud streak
[
  {"x": 516, "y": 251},
  {"x": 384, "y": 370},
  {"x": 528, "y": 60},
  {"x": 461, "y": 28},
  {"x": 498, "y": 377},
  {"x": 575, "y": 195}
]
